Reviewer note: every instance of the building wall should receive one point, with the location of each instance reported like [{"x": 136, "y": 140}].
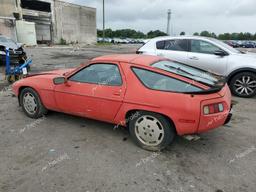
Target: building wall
[
  {"x": 7, "y": 23},
  {"x": 71, "y": 22},
  {"x": 74, "y": 23},
  {"x": 7, "y": 7}
]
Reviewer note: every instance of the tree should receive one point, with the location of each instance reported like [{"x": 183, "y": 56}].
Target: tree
[
  {"x": 122, "y": 33},
  {"x": 225, "y": 36},
  {"x": 205, "y": 34},
  {"x": 156, "y": 33},
  {"x": 196, "y": 34},
  {"x": 213, "y": 35},
  {"x": 109, "y": 33},
  {"x": 182, "y": 33},
  {"x": 99, "y": 33}
]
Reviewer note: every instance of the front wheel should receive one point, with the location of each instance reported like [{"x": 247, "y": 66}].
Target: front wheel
[
  {"x": 151, "y": 131},
  {"x": 244, "y": 84},
  {"x": 31, "y": 103}
]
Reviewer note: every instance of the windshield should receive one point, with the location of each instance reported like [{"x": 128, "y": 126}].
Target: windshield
[
  {"x": 189, "y": 72},
  {"x": 231, "y": 49}
]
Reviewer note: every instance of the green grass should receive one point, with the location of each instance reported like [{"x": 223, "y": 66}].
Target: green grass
[{"x": 104, "y": 44}]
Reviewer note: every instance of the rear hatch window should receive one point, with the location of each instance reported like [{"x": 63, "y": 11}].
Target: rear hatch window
[{"x": 211, "y": 80}]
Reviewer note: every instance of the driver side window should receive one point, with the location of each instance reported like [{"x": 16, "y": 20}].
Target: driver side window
[
  {"x": 199, "y": 46},
  {"x": 104, "y": 74}
]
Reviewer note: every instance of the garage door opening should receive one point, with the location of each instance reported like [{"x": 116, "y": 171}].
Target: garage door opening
[{"x": 36, "y": 5}]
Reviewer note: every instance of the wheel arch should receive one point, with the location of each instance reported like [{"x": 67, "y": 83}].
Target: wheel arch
[
  {"x": 237, "y": 71},
  {"x": 24, "y": 87},
  {"x": 129, "y": 114}
]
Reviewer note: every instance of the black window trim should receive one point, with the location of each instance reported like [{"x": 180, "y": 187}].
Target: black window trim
[
  {"x": 197, "y": 92},
  {"x": 100, "y": 84}
]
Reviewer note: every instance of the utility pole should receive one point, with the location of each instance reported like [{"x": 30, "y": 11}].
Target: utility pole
[
  {"x": 169, "y": 12},
  {"x": 103, "y": 31}
]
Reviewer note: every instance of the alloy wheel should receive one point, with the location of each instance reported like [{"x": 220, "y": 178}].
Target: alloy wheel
[
  {"x": 149, "y": 130},
  {"x": 30, "y": 104},
  {"x": 245, "y": 85}
]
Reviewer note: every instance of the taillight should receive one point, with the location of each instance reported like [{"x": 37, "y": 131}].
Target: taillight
[{"x": 213, "y": 108}]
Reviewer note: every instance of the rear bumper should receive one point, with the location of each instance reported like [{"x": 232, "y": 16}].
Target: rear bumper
[
  {"x": 228, "y": 118},
  {"x": 212, "y": 121}
]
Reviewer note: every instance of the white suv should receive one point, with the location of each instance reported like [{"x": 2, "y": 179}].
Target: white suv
[{"x": 211, "y": 55}]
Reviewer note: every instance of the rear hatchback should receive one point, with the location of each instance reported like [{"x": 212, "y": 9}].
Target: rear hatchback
[{"x": 215, "y": 104}]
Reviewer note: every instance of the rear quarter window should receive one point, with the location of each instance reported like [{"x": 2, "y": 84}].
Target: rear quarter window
[
  {"x": 173, "y": 45},
  {"x": 157, "y": 81}
]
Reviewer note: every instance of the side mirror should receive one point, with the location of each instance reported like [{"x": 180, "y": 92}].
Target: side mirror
[
  {"x": 59, "y": 80},
  {"x": 220, "y": 53}
]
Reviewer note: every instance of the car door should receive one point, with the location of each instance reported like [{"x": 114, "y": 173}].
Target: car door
[
  {"x": 202, "y": 55},
  {"x": 174, "y": 49},
  {"x": 95, "y": 91}
]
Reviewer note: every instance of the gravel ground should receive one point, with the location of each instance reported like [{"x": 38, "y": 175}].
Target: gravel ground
[{"x": 65, "y": 153}]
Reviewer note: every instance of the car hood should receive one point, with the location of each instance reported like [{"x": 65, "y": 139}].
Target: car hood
[
  {"x": 247, "y": 59},
  {"x": 59, "y": 72},
  {"x": 247, "y": 54},
  {"x": 11, "y": 45}
]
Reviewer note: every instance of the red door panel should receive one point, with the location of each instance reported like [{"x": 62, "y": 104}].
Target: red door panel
[
  {"x": 76, "y": 98},
  {"x": 109, "y": 101},
  {"x": 97, "y": 101}
]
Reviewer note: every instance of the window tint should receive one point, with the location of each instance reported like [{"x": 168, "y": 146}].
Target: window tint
[
  {"x": 174, "y": 45},
  {"x": 105, "y": 74},
  {"x": 161, "y": 82},
  {"x": 160, "y": 44},
  {"x": 199, "y": 46}
]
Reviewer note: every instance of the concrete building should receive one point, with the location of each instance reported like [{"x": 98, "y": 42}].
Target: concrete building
[
  {"x": 7, "y": 20},
  {"x": 55, "y": 20}
]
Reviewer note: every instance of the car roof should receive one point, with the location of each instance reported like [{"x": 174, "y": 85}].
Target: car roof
[
  {"x": 181, "y": 37},
  {"x": 130, "y": 58}
]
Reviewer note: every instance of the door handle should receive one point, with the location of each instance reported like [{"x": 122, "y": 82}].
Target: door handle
[
  {"x": 194, "y": 58},
  {"x": 117, "y": 93}
]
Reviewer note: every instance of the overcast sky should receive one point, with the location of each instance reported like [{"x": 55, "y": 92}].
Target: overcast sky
[{"x": 188, "y": 15}]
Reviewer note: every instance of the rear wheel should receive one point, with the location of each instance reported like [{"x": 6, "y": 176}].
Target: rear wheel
[
  {"x": 244, "y": 84},
  {"x": 151, "y": 131},
  {"x": 31, "y": 103}
]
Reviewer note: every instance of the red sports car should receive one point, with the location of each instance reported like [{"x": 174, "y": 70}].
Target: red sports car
[{"x": 154, "y": 97}]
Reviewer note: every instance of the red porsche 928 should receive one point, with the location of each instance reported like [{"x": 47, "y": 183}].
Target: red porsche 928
[{"x": 154, "y": 97}]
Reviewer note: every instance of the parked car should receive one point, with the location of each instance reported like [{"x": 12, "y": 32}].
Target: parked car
[
  {"x": 232, "y": 43},
  {"x": 17, "y": 53},
  {"x": 212, "y": 55},
  {"x": 154, "y": 97},
  {"x": 248, "y": 44}
]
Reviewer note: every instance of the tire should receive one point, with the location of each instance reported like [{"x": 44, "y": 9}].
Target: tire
[
  {"x": 28, "y": 68},
  {"x": 31, "y": 103},
  {"x": 147, "y": 126},
  {"x": 244, "y": 84}
]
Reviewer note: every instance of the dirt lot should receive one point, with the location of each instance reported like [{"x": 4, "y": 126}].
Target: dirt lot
[{"x": 65, "y": 153}]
